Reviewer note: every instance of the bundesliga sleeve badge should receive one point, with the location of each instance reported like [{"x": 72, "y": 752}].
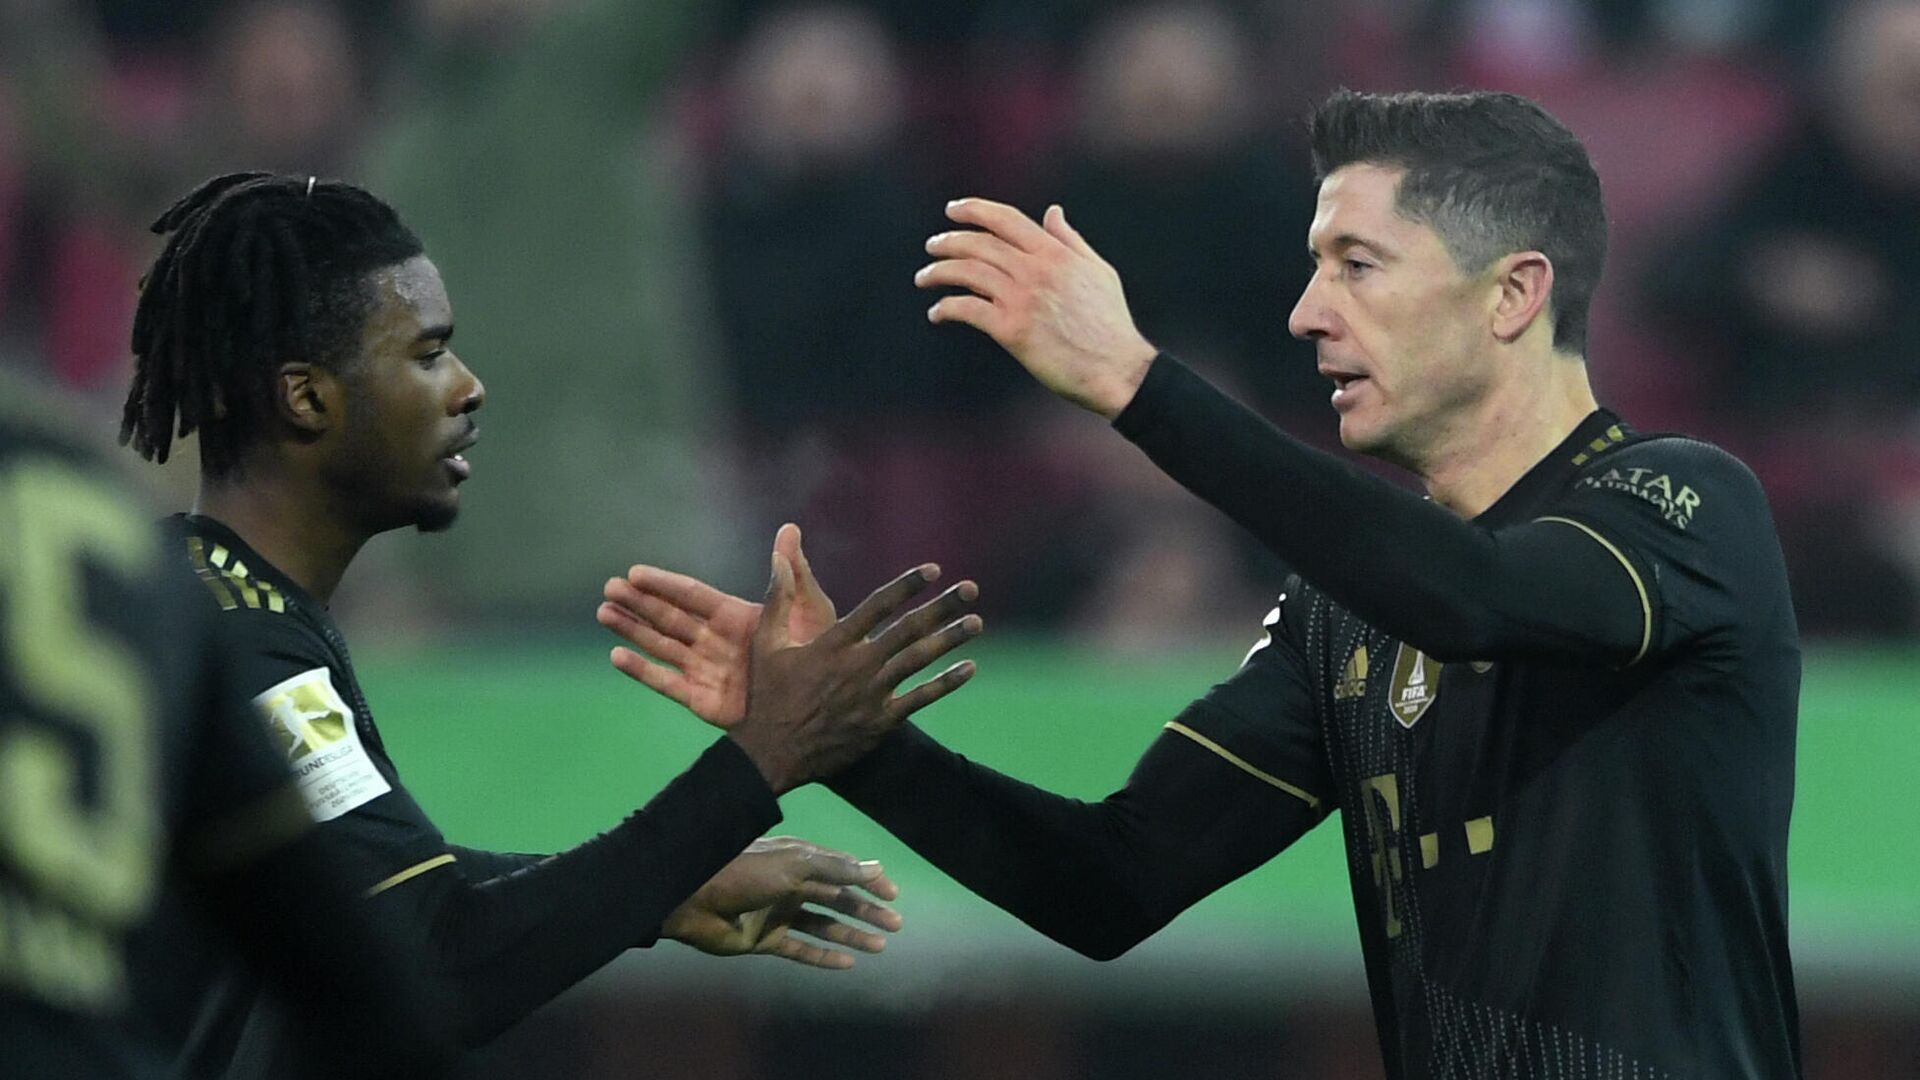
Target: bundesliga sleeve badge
[{"x": 313, "y": 726}]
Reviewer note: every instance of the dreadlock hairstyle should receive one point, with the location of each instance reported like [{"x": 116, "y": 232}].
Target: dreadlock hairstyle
[{"x": 258, "y": 269}]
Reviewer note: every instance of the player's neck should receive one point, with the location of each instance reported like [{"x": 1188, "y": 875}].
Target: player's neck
[
  {"x": 1506, "y": 434},
  {"x": 290, "y": 524}
]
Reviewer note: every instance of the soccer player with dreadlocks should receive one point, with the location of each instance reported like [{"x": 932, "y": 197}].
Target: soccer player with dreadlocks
[{"x": 297, "y": 326}]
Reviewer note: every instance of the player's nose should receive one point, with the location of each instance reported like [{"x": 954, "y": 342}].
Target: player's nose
[
  {"x": 472, "y": 393},
  {"x": 1310, "y": 318}
]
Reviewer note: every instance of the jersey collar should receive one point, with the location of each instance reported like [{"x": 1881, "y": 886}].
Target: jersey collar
[
  {"x": 1600, "y": 432},
  {"x": 210, "y": 529}
]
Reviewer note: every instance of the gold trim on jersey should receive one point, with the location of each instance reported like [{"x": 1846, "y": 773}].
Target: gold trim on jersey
[
  {"x": 1646, "y": 604},
  {"x": 1242, "y": 764},
  {"x": 410, "y": 873},
  {"x": 228, "y": 578},
  {"x": 1608, "y": 439}
]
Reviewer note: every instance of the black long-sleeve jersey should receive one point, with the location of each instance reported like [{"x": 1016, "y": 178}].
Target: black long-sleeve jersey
[
  {"x": 502, "y": 933},
  {"x": 137, "y": 794},
  {"x": 1560, "y": 734}
]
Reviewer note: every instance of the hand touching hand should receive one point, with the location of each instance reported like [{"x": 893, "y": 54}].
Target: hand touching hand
[
  {"x": 810, "y": 708},
  {"x": 702, "y": 632},
  {"x": 1044, "y": 294},
  {"x": 814, "y": 709},
  {"x": 757, "y": 903}
]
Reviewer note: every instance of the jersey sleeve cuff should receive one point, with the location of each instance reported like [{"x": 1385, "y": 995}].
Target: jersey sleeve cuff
[
  {"x": 886, "y": 771},
  {"x": 734, "y": 775},
  {"x": 1149, "y": 401}
]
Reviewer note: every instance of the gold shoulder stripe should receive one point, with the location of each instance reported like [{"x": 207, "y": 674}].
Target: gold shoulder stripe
[
  {"x": 230, "y": 580},
  {"x": 197, "y": 552},
  {"x": 1646, "y": 603},
  {"x": 1613, "y": 436},
  {"x": 1243, "y": 764},
  {"x": 410, "y": 873}
]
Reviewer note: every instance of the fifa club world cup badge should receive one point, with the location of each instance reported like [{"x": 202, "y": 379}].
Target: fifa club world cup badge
[{"x": 1416, "y": 682}]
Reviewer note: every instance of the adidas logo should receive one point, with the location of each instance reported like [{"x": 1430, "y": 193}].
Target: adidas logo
[{"x": 1353, "y": 682}]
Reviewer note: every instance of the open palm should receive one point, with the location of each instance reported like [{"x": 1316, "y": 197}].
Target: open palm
[{"x": 693, "y": 640}]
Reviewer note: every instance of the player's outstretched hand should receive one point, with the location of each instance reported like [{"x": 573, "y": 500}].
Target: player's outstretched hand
[
  {"x": 704, "y": 634},
  {"x": 758, "y": 903},
  {"x": 816, "y": 708},
  {"x": 1043, "y": 293}
]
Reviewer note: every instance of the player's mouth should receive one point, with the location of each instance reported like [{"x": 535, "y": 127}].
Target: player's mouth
[
  {"x": 1345, "y": 385},
  {"x": 455, "y": 459}
]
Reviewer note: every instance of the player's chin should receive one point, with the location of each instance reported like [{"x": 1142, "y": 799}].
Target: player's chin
[
  {"x": 1360, "y": 432},
  {"x": 438, "y": 513}
]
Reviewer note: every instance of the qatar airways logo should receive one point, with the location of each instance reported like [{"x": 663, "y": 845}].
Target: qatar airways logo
[{"x": 1675, "y": 501}]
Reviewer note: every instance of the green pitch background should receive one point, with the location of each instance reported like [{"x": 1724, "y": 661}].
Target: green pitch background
[{"x": 535, "y": 745}]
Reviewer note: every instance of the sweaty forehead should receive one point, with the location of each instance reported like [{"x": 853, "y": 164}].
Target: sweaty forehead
[{"x": 408, "y": 298}]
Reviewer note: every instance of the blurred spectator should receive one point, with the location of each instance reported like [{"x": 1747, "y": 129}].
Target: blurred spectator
[
  {"x": 1205, "y": 215},
  {"x": 70, "y": 172},
  {"x": 288, "y": 91},
  {"x": 1170, "y": 175},
  {"x": 1171, "y": 574},
  {"x": 527, "y": 149},
  {"x": 1547, "y": 31},
  {"x": 816, "y": 217},
  {"x": 815, "y": 223},
  {"x": 1814, "y": 255},
  {"x": 1805, "y": 286},
  {"x": 879, "y": 433},
  {"x": 103, "y": 134}
]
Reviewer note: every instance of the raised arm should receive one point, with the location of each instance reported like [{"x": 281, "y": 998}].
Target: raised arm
[{"x": 1454, "y": 589}]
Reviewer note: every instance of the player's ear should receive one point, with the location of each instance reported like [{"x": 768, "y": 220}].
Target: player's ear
[
  {"x": 307, "y": 397},
  {"x": 1525, "y": 283}
]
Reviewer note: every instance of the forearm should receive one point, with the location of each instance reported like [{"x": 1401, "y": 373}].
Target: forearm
[
  {"x": 1454, "y": 589},
  {"x": 478, "y": 864},
  {"x": 505, "y": 946},
  {"x": 1095, "y": 877}
]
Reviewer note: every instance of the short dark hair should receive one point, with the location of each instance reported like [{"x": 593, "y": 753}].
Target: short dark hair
[
  {"x": 258, "y": 269},
  {"x": 1491, "y": 173}
]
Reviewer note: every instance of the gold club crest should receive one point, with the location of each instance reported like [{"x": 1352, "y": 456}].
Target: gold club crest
[{"x": 1416, "y": 682}]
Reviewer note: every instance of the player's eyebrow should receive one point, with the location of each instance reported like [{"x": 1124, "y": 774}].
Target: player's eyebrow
[
  {"x": 1349, "y": 240},
  {"x": 441, "y": 333}
]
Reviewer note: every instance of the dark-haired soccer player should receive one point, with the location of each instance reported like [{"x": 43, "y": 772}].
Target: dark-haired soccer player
[
  {"x": 1555, "y": 701},
  {"x": 133, "y": 786},
  {"x": 299, "y": 328}
]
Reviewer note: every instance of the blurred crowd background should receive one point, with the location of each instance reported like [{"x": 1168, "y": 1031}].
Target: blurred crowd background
[
  {"x": 680, "y": 240},
  {"x": 680, "y": 236}
]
